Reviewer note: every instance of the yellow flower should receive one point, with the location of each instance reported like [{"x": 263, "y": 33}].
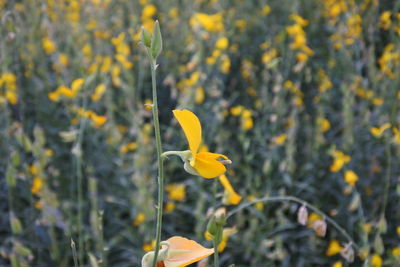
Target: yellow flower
[
  {"x": 350, "y": 178},
  {"x": 204, "y": 164},
  {"x": 378, "y": 131},
  {"x": 97, "y": 120},
  {"x": 313, "y": 217},
  {"x": 199, "y": 98},
  {"x": 230, "y": 195},
  {"x": 280, "y": 139},
  {"x": 149, "y": 246},
  {"x": 211, "y": 23},
  {"x": 398, "y": 230},
  {"x": 266, "y": 9},
  {"x": 333, "y": 248},
  {"x": 128, "y": 147},
  {"x": 226, "y": 233},
  {"x": 140, "y": 218},
  {"x": 222, "y": 43},
  {"x": 148, "y": 12},
  {"x": 376, "y": 260},
  {"x": 37, "y": 185},
  {"x": 179, "y": 252},
  {"x": 396, "y": 251},
  {"x": 340, "y": 159},
  {"x": 236, "y": 110},
  {"x": 338, "y": 264},
  {"x": 48, "y": 45},
  {"x": 170, "y": 206},
  {"x": 259, "y": 205},
  {"x": 396, "y": 136},
  {"x": 323, "y": 124},
  {"x": 176, "y": 191},
  {"x": 98, "y": 92}
]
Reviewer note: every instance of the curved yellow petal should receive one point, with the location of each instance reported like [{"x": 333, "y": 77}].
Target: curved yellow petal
[
  {"x": 187, "y": 252},
  {"x": 191, "y": 127},
  {"x": 233, "y": 197},
  {"x": 207, "y": 165}
]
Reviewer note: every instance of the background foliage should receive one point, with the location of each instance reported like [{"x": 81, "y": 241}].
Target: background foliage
[{"x": 303, "y": 96}]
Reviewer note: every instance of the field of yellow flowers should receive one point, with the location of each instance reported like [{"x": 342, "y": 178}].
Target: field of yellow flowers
[{"x": 298, "y": 101}]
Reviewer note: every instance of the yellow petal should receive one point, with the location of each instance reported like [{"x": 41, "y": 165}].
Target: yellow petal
[
  {"x": 233, "y": 197},
  {"x": 188, "y": 252},
  {"x": 191, "y": 127},
  {"x": 207, "y": 165}
]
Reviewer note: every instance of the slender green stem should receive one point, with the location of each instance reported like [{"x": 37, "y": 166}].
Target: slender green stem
[
  {"x": 159, "y": 161},
  {"x": 300, "y": 201},
  {"x": 216, "y": 256},
  {"x": 77, "y": 150},
  {"x": 387, "y": 180}
]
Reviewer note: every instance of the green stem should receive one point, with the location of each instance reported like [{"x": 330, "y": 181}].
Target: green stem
[
  {"x": 216, "y": 256},
  {"x": 300, "y": 201},
  {"x": 159, "y": 162},
  {"x": 387, "y": 180}
]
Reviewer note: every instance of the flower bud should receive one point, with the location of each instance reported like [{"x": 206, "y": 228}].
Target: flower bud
[
  {"x": 156, "y": 41},
  {"x": 145, "y": 38},
  {"x": 302, "y": 215},
  {"x": 212, "y": 226}
]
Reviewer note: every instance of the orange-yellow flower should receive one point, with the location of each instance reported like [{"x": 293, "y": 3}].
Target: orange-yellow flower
[
  {"x": 178, "y": 251},
  {"x": 205, "y": 164}
]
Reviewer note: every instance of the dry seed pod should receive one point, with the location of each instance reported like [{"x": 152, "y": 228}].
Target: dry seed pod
[
  {"x": 348, "y": 253},
  {"x": 320, "y": 228},
  {"x": 302, "y": 215}
]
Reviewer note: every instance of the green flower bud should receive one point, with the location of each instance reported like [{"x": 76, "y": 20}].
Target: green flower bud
[
  {"x": 212, "y": 226},
  {"x": 145, "y": 37},
  {"x": 156, "y": 41}
]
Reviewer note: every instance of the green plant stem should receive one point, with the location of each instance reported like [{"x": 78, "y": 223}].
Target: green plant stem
[
  {"x": 216, "y": 256},
  {"x": 387, "y": 179},
  {"x": 159, "y": 162},
  {"x": 300, "y": 201},
  {"x": 77, "y": 150}
]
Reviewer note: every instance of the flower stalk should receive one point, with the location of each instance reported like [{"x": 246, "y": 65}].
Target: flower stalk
[{"x": 153, "y": 45}]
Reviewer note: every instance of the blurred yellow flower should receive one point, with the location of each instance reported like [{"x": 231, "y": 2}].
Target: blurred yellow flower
[
  {"x": 148, "y": 12},
  {"x": 226, "y": 233},
  {"x": 139, "y": 219},
  {"x": 323, "y": 124},
  {"x": 230, "y": 196},
  {"x": 205, "y": 164},
  {"x": 396, "y": 251},
  {"x": 48, "y": 45},
  {"x": 98, "y": 92},
  {"x": 259, "y": 205},
  {"x": 176, "y": 192},
  {"x": 222, "y": 43},
  {"x": 128, "y": 147},
  {"x": 211, "y": 23},
  {"x": 149, "y": 246},
  {"x": 280, "y": 139},
  {"x": 170, "y": 206},
  {"x": 339, "y": 160},
  {"x": 37, "y": 185},
  {"x": 200, "y": 95},
  {"x": 313, "y": 217},
  {"x": 376, "y": 260},
  {"x": 236, "y": 110},
  {"x": 333, "y": 248},
  {"x": 385, "y": 20},
  {"x": 337, "y": 264},
  {"x": 378, "y": 131},
  {"x": 350, "y": 178},
  {"x": 266, "y": 9}
]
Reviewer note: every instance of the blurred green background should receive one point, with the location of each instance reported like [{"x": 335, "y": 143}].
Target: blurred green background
[{"x": 303, "y": 96}]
